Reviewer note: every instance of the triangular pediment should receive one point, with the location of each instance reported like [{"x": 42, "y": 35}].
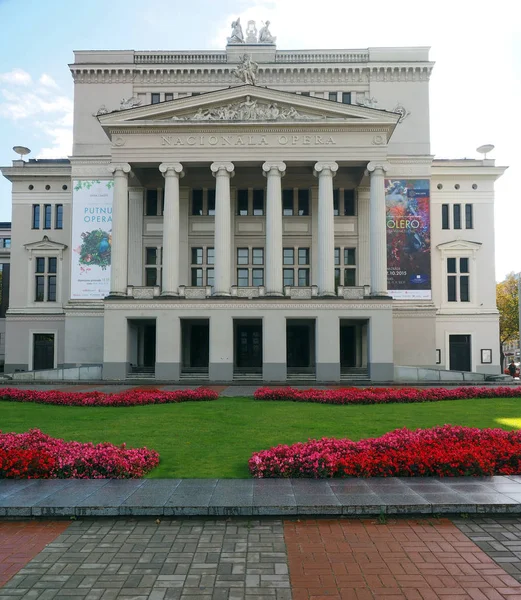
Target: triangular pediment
[
  {"x": 248, "y": 104},
  {"x": 459, "y": 245},
  {"x": 45, "y": 244}
]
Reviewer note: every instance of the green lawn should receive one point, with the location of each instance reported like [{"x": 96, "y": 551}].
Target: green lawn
[{"x": 216, "y": 439}]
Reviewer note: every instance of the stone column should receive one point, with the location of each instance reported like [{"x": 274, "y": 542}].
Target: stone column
[
  {"x": 325, "y": 171},
  {"x": 274, "y": 171},
  {"x": 378, "y": 232},
  {"x": 119, "y": 246},
  {"x": 172, "y": 172},
  {"x": 223, "y": 172}
]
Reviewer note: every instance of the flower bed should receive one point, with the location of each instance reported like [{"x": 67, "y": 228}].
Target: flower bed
[
  {"x": 441, "y": 451},
  {"x": 127, "y": 398},
  {"x": 384, "y": 395},
  {"x": 35, "y": 455}
]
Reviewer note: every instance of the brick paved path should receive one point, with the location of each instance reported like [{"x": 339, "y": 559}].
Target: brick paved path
[{"x": 334, "y": 559}]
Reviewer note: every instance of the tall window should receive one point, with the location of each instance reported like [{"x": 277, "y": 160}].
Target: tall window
[
  {"x": 445, "y": 216},
  {"x": 296, "y": 204},
  {"x": 250, "y": 267},
  {"x": 242, "y": 203},
  {"x": 153, "y": 261},
  {"x": 346, "y": 97},
  {"x": 151, "y": 203},
  {"x": 202, "y": 270},
  {"x": 45, "y": 279},
  {"x": 287, "y": 202},
  {"x": 203, "y": 202},
  {"x": 36, "y": 216},
  {"x": 345, "y": 266},
  {"x": 258, "y": 203},
  {"x": 469, "y": 217},
  {"x": 303, "y": 203},
  {"x": 457, "y": 216},
  {"x": 458, "y": 280},
  {"x": 211, "y": 202},
  {"x": 296, "y": 272},
  {"x": 47, "y": 212},
  {"x": 197, "y": 202},
  {"x": 58, "y": 219},
  {"x": 344, "y": 202}
]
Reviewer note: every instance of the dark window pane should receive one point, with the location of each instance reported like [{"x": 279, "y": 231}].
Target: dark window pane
[
  {"x": 349, "y": 203},
  {"x": 464, "y": 288},
  {"x": 242, "y": 277},
  {"x": 337, "y": 256},
  {"x": 197, "y": 256},
  {"x": 469, "y": 221},
  {"x": 59, "y": 216},
  {"x": 445, "y": 216},
  {"x": 243, "y": 257},
  {"x": 151, "y": 276},
  {"x": 52, "y": 264},
  {"x": 36, "y": 216},
  {"x": 336, "y": 210},
  {"x": 47, "y": 216},
  {"x": 151, "y": 203},
  {"x": 258, "y": 256},
  {"x": 40, "y": 286},
  {"x": 257, "y": 277},
  {"x": 346, "y": 97},
  {"x": 40, "y": 265},
  {"x": 210, "y": 256},
  {"x": 451, "y": 288},
  {"x": 304, "y": 94},
  {"x": 51, "y": 288},
  {"x": 287, "y": 203},
  {"x": 303, "y": 203},
  {"x": 210, "y": 277},
  {"x": 349, "y": 277},
  {"x": 242, "y": 202},
  {"x": 289, "y": 276},
  {"x": 197, "y": 202},
  {"x": 288, "y": 256},
  {"x": 349, "y": 256},
  {"x": 303, "y": 277},
  {"x": 156, "y": 98},
  {"x": 7, "y": 242},
  {"x": 457, "y": 216},
  {"x": 463, "y": 265},
  {"x": 303, "y": 256},
  {"x": 211, "y": 202},
  {"x": 197, "y": 277},
  {"x": 151, "y": 256},
  {"x": 333, "y": 96},
  {"x": 451, "y": 265},
  {"x": 337, "y": 277},
  {"x": 258, "y": 203},
  {"x": 169, "y": 96}
]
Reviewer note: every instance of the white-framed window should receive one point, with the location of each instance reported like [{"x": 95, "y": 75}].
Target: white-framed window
[
  {"x": 296, "y": 202},
  {"x": 345, "y": 266},
  {"x": 459, "y": 277},
  {"x": 202, "y": 266},
  {"x": 153, "y": 264},
  {"x": 202, "y": 202},
  {"x": 344, "y": 202},
  {"x": 296, "y": 266},
  {"x": 45, "y": 272},
  {"x": 250, "y": 266},
  {"x": 250, "y": 202}
]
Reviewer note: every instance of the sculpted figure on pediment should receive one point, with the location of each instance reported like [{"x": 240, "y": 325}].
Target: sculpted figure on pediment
[
  {"x": 246, "y": 71},
  {"x": 237, "y": 36},
  {"x": 265, "y": 36},
  {"x": 129, "y": 103}
]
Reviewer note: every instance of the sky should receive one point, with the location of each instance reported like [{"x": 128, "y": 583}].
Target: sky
[{"x": 475, "y": 89}]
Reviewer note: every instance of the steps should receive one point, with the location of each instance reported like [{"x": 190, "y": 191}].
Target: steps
[{"x": 355, "y": 375}]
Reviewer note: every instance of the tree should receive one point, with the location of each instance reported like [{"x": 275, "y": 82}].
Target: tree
[{"x": 507, "y": 298}]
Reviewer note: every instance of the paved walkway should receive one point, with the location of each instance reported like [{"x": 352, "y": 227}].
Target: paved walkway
[{"x": 334, "y": 559}]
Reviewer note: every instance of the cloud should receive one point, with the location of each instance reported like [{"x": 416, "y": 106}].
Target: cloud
[
  {"x": 61, "y": 143},
  {"x": 16, "y": 77},
  {"x": 48, "y": 81}
]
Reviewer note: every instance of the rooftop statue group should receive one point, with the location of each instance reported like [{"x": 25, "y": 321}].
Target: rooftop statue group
[{"x": 237, "y": 36}]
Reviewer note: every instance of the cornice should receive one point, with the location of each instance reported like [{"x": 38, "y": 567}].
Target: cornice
[
  {"x": 247, "y": 129},
  {"x": 232, "y": 305}
]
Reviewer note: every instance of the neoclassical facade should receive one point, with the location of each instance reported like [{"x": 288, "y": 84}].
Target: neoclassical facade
[{"x": 253, "y": 214}]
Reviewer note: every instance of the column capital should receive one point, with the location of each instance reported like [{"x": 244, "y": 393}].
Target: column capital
[
  {"x": 172, "y": 170},
  {"x": 120, "y": 168},
  {"x": 323, "y": 168},
  {"x": 222, "y": 168},
  {"x": 274, "y": 167},
  {"x": 375, "y": 166}
]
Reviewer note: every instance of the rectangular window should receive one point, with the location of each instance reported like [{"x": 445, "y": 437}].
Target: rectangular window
[
  {"x": 349, "y": 277},
  {"x": 303, "y": 203},
  {"x": 51, "y": 288},
  {"x": 242, "y": 277},
  {"x": 303, "y": 277},
  {"x": 464, "y": 288},
  {"x": 469, "y": 222},
  {"x": 210, "y": 256},
  {"x": 169, "y": 96},
  {"x": 47, "y": 208},
  {"x": 156, "y": 98},
  {"x": 337, "y": 278},
  {"x": 197, "y": 202},
  {"x": 337, "y": 256},
  {"x": 211, "y": 203},
  {"x": 346, "y": 97},
  {"x": 349, "y": 203},
  {"x": 40, "y": 287},
  {"x": 288, "y": 276},
  {"x": 150, "y": 276},
  {"x": 257, "y": 256},
  {"x": 457, "y": 216},
  {"x": 210, "y": 278},
  {"x": 349, "y": 256},
  {"x": 197, "y": 277},
  {"x": 36, "y": 216},
  {"x": 58, "y": 220},
  {"x": 451, "y": 265},
  {"x": 52, "y": 264},
  {"x": 451, "y": 288},
  {"x": 150, "y": 256},
  {"x": 40, "y": 265},
  {"x": 288, "y": 256},
  {"x": 258, "y": 203},
  {"x": 336, "y": 203},
  {"x": 242, "y": 203},
  {"x": 151, "y": 203},
  {"x": 243, "y": 257},
  {"x": 197, "y": 256},
  {"x": 333, "y": 96},
  {"x": 257, "y": 277},
  {"x": 287, "y": 203},
  {"x": 445, "y": 216},
  {"x": 303, "y": 256},
  {"x": 304, "y": 93},
  {"x": 7, "y": 242}
]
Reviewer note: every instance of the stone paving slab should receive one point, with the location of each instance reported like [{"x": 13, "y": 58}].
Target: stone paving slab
[{"x": 258, "y": 497}]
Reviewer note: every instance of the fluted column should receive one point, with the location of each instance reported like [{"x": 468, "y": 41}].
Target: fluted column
[
  {"x": 378, "y": 232},
  {"x": 274, "y": 171},
  {"x": 119, "y": 245},
  {"x": 172, "y": 172},
  {"x": 325, "y": 171},
  {"x": 223, "y": 172}
]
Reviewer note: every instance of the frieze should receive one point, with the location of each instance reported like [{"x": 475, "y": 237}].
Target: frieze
[
  {"x": 247, "y": 140},
  {"x": 209, "y": 304}
]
